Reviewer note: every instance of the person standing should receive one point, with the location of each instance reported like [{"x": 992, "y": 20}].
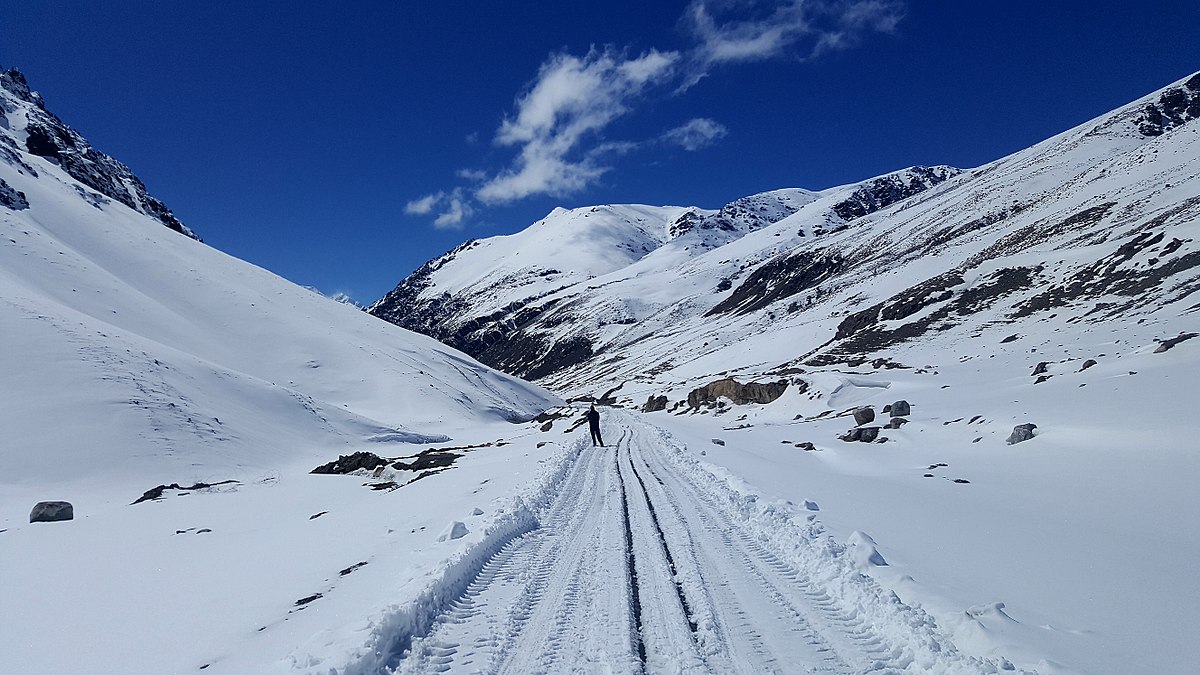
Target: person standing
[{"x": 593, "y": 418}]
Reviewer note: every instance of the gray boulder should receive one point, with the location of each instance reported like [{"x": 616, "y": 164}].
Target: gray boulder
[
  {"x": 901, "y": 409},
  {"x": 864, "y": 415},
  {"x": 49, "y": 512},
  {"x": 861, "y": 434},
  {"x": 1021, "y": 432},
  {"x": 896, "y": 423}
]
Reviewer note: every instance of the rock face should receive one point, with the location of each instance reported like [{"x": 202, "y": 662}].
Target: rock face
[
  {"x": 864, "y": 415},
  {"x": 740, "y": 394},
  {"x": 901, "y": 409},
  {"x": 1174, "y": 107},
  {"x": 884, "y": 191},
  {"x": 48, "y": 136},
  {"x": 1021, "y": 432},
  {"x": 49, "y": 512}
]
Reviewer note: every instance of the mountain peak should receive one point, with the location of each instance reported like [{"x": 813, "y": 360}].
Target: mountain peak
[{"x": 28, "y": 128}]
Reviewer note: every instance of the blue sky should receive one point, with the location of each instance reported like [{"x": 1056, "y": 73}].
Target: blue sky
[{"x": 341, "y": 145}]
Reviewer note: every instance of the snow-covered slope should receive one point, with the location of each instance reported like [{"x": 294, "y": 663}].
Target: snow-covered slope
[
  {"x": 540, "y": 300},
  {"x": 118, "y": 318},
  {"x": 936, "y": 242},
  {"x": 134, "y": 357}
]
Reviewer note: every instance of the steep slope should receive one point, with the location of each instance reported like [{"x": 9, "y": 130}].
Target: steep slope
[
  {"x": 31, "y": 128},
  {"x": 191, "y": 358}
]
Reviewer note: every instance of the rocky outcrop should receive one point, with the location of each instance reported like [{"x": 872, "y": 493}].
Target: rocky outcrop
[
  {"x": 1174, "y": 107},
  {"x": 49, "y": 512},
  {"x": 887, "y": 190},
  {"x": 11, "y": 198},
  {"x": 654, "y": 404},
  {"x": 48, "y": 136},
  {"x": 351, "y": 463},
  {"x": 739, "y": 394},
  {"x": 781, "y": 278},
  {"x": 1164, "y": 345}
]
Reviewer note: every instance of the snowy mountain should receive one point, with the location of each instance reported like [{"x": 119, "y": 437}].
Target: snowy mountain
[
  {"x": 808, "y": 399},
  {"x": 1056, "y": 287},
  {"x": 540, "y": 300},
  {"x": 858, "y": 269}
]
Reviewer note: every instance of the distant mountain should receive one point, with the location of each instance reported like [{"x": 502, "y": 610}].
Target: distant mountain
[{"x": 1093, "y": 225}]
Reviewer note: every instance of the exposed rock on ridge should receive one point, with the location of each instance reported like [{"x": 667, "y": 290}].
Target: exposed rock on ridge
[{"x": 45, "y": 135}]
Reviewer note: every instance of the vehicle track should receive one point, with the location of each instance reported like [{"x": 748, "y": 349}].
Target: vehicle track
[{"x": 638, "y": 567}]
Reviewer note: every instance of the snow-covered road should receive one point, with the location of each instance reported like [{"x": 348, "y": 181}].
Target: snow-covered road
[{"x": 646, "y": 562}]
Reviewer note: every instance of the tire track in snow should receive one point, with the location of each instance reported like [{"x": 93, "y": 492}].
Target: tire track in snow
[
  {"x": 547, "y": 598},
  {"x": 646, "y": 562}
]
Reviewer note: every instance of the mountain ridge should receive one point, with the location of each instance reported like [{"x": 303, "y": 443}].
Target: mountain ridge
[{"x": 1078, "y": 189}]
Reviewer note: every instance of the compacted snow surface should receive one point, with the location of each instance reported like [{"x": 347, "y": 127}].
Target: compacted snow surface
[{"x": 648, "y": 562}]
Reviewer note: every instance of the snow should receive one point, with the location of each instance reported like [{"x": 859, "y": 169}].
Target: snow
[{"x": 139, "y": 358}]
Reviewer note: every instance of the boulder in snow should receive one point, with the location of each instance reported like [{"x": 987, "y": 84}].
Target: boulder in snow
[
  {"x": 654, "y": 404},
  {"x": 862, "y": 434},
  {"x": 895, "y": 423},
  {"x": 49, "y": 512},
  {"x": 864, "y": 415},
  {"x": 1021, "y": 432},
  {"x": 717, "y": 441},
  {"x": 901, "y": 408}
]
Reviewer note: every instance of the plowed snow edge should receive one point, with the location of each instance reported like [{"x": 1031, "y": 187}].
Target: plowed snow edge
[{"x": 395, "y": 627}]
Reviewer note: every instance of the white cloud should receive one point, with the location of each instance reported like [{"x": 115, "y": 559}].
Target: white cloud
[
  {"x": 423, "y": 205},
  {"x": 572, "y": 100},
  {"x": 696, "y": 134},
  {"x": 752, "y": 33},
  {"x": 456, "y": 210},
  {"x": 453, "y": 207},
  {"x": 473, "y": 175},
  {"x": 557, "y": 126}
]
